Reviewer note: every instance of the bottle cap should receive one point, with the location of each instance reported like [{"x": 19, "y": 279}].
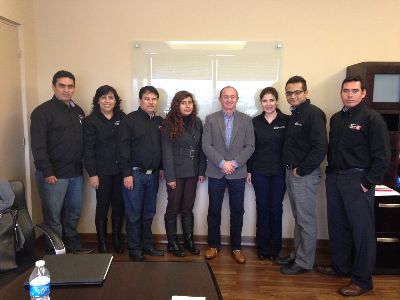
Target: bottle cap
[{"x": 40, "y": 263}]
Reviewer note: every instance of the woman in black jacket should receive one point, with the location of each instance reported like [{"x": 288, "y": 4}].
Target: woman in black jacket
[
  {"x": 267, "y": 174},
  {"x": 184, "y": 165},
  {"x": 100, "y": 157}
]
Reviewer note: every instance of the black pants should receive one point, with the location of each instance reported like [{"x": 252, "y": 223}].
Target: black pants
[
  {"x": 216, "y": 192},
  {"x": 109, "y": 192},
  {"x": 269, "y": 191},
  {"x": 181, "y": 199},
  {"x": 351, "y": 224}
]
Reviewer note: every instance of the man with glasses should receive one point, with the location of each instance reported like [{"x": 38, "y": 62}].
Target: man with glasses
[
  {"x": 358, "y": 156},
  {"x": 304, "y": 149},
  {"x": 228, "y": 142}
]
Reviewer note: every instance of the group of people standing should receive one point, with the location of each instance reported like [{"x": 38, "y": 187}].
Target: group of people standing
[{"x": 126, "y": 155}]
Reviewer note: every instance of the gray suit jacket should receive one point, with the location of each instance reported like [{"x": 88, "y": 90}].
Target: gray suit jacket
[
  {"x": 184, "y": 157},
  {"x": 240, "y": 149}
]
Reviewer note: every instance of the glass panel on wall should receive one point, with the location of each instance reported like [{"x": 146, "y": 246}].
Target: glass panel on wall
[
  {"x": 386, "y": 88},
  {"x": 204, "y": 68}
]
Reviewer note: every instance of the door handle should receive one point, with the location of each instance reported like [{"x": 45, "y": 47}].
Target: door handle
[
  {"x": 389, "y": 205},
  {"x": 387, "y": 240}
]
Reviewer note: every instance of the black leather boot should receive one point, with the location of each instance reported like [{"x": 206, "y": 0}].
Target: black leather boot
[
  {"x": 187, "y": 226},
  {"x": 118, "y": 243},
  {"x": 101, "y": 228},
  {"x": 174, "y": 249},
  {"x": 173, "y": 245}
]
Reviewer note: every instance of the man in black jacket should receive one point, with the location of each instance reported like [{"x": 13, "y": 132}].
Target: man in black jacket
[
  {"x": 57, "y": 148},
  {"x": 358, "y": 156},
  {"x": 304, "y": 149},
  {"x": 139, "y": 147}
]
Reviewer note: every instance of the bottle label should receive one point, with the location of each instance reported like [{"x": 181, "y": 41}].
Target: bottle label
[{"x": 39, "y": 290}]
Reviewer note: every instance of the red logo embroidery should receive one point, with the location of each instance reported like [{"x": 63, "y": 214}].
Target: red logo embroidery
[{"x": 355, "y": 126}]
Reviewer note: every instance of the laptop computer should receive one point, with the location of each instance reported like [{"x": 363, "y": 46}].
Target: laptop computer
[{"x": 77, "y": 269}]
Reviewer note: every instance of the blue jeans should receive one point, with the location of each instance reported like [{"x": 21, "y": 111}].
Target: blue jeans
[
  {"x": 216, "y": 191},
  {"x": 140, "y": 208},
  {"x": 61, "y": 206},
  {"x": 269, "y": 192}
]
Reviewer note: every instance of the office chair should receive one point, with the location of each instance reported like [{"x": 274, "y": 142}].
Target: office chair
[{"x": 25, "y": 224}]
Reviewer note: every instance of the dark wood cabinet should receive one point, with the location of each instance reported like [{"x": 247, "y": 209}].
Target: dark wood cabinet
[
  {"x": 375, "y": 74},
  {"x": 387, "y": 226}
]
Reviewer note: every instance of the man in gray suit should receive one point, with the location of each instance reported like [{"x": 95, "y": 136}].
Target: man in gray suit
[{"x": 228, "y": 142}]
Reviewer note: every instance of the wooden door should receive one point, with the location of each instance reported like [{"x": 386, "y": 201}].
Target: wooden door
[{"x": 12, "y": 146}]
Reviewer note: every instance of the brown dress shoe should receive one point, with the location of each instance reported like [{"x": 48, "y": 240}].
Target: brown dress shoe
[
  {"x": 238, "y": 256},
  {"x": 352, "y": 290},
  {"x": 211, "y": 253},
  {"x": 326, "y": 270}
]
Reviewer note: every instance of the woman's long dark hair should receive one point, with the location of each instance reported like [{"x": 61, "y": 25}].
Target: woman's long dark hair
[
  {"x": 104, "y": 90},
  {"x": 173, "y": 123}
]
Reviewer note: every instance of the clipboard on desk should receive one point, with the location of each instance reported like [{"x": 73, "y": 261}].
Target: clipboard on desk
[{"x": 77, "y": 269}]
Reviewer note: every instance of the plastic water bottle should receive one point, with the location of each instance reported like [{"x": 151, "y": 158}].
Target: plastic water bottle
[{"x": 39, "y": 282}]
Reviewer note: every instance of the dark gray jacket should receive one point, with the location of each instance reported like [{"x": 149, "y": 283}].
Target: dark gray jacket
[{"x": 184, "y": 157}]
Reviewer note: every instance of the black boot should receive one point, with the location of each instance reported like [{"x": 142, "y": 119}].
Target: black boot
[
  {"x": 101, "y": 228},
  {"x": 173, "y": 245},
  {"x": 118, "y": 242},
  {"x": 187, "y": 226},
  {"x": 174, "y": 249}
]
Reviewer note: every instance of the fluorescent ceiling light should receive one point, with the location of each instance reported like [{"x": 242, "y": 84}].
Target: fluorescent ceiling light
[
  {"x": 206, "y": 45},
  {"x": 221, "y": 55}
]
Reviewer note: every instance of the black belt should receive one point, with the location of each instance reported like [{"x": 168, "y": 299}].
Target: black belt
[
  {"x": 147, "y": 172},
  {"x": 348, "y": 171}
]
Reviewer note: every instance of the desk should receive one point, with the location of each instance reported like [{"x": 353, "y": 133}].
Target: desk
[
  {"x": 134, "y": 280},
  {"x": 387, "y": 226}
]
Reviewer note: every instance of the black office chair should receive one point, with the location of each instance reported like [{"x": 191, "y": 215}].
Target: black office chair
[
  {"x": 25, "y": 257},
  {"x": 25, "y": 223}
]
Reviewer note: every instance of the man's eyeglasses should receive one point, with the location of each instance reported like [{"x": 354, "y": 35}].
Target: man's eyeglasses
[{"x": 290, "y": 93}]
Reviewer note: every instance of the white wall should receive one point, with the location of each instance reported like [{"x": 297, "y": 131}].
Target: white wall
[{"x": 93, "y": 39}]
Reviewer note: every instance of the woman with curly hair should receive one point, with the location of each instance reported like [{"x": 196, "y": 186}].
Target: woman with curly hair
[
  {"x": 184, "y": 165},
  {"x": 100, "y": 157}
]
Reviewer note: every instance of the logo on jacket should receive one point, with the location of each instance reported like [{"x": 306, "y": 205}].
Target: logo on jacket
[
  {"x": 279, "y": 127},
  {"x": 355, "y": 126},
  {"x": 298, "y": 124},
  {"x": 116, "y": 123},
  {"x": 81, "y": 117}
]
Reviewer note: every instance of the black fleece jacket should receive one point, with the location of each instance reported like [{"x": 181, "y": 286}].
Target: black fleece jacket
[
  {"x": 306, "y": 142},
  {"x": 359, "y": 138},
  {"x": 57, "y": 138}
]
